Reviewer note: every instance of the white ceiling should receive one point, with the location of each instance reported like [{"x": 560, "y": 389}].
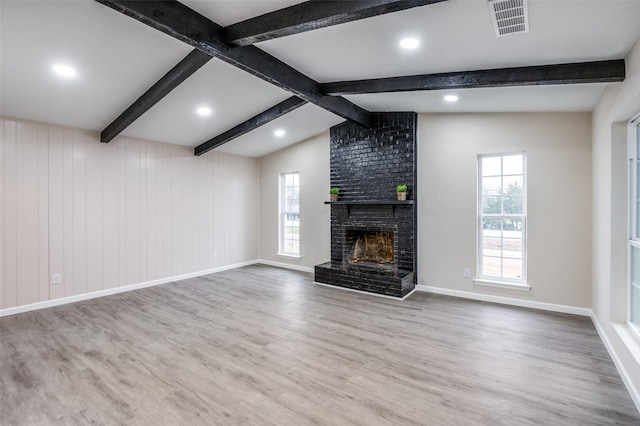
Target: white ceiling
[
  {"x": 227, "y": 12},
  {"x": 118, "y": 58},
  {"x": 300, "y": 124},
  {"x": 459, "y": 36},
  {"x": 571, "y": 97},
  {"x": 233, "y": 97}
]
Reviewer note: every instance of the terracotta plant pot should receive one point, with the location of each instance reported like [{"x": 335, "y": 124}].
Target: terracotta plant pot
[
  {"x": 333, "y": 197},
  {"x": 402, "y": 196}
]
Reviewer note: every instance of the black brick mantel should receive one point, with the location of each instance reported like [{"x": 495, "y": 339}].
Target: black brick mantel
[{"x": 366, "y": 165}]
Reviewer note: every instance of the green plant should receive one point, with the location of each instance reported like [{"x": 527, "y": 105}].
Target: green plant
[
  {"x": 334, "y": 191},
  {"x": 401, "y": 188}
]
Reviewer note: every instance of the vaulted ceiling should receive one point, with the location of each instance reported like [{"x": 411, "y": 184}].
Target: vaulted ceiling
[{"x": 118, "y": 59}]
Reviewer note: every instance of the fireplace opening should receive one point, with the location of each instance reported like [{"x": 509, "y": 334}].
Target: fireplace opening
[{"x": 370, "y": 247}]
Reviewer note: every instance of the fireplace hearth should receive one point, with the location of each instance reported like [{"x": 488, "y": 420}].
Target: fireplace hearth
[{"x": 373, "y": 235}]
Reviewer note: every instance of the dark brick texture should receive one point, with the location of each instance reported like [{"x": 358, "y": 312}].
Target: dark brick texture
[{"x": 367, "y": 164}]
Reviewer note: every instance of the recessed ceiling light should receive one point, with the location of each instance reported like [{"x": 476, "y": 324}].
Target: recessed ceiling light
[
  {"x": 204, "y": 111},
  {"x": 409, "y": 43},
  {"x": 451, "y": 98},
  {"x": 64, "y": 70},
  {"x": 279, "y": 133}
]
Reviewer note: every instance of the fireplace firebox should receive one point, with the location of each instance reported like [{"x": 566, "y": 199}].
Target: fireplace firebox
[{"x": 371, "y": 246}]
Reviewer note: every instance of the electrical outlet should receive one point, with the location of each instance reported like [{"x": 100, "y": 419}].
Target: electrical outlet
[
  {"x": 56, "y": 278},
  {"x": 466, "y": 272}
]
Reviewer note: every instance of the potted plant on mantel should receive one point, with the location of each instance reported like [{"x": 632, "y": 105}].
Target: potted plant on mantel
[
  {"x": 401, "y": 190},
  {"x": 333, "y": 194}
]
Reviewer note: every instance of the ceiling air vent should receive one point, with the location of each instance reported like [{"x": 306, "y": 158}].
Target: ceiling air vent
[{"x": 509, "y": 16}]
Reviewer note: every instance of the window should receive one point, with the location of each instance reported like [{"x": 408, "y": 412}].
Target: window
[
  {"x": 502, "y": 218},
  {"x": 634, "y": 223},
  {"x": 290, "y": 214}
]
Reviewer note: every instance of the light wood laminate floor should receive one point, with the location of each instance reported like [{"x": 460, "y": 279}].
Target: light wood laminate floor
[{"x": 261, "y": 345}]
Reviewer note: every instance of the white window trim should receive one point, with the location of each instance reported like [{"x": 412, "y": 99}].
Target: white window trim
[
  {"x": 492, "y": 281},
  {"x": 281, "y": 252}
]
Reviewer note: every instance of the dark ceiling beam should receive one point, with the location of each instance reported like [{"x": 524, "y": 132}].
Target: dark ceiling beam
[
  {"x": 187, "y": 66},
  {"x": 177, "y": 20},
  {"x": 574, "y": 73},
  {"x": 253, "y": 123},
  {"x": 311, "y": 15}
]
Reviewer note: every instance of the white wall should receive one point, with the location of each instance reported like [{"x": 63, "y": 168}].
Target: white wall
[
  {"x": 311, "y": 159},
  {"x": 558, "y": 150},
  {"x": 617, "y": 106},
  {"x": 109, "y": 215}
]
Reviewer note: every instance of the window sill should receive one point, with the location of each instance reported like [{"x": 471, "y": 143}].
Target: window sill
[
  {"x": 630, "y": 338},
  {"x": 289, "y": 256},
  {"x": 502, "y": 284}
]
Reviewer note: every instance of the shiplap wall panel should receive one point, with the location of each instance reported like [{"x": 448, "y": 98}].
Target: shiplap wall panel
[
  {"x": 94, "y": 220},
  {"x": 56, "y": 209},
  {"x": 108, "y": 215},
  {"x": 180, "y": 209},
  {"x": 229, "y": 218},
  {"x": 230, "y": 190},
  {"x": 110, "y": 218},
  {"x": 189, "y": 219},
  {"x": 237, "y": 187},
  {"x": 191, "y": 216},
  {"x": 213, "y": 248},
  {"x": 2, "y": 215},
  {"x": 79, "y": 212},
  {"x": 10, "y": 209},
  {"x": 165, "y": 210},
  {"x": 133, "y": 212},
  {"x": 27, "y": 214},
  {"x": 253, "y": 220},
  {"x": 144, "y": 227},
  {"x": 217, "y": 219},
  {"x": 202, "y": 205},
  {"x": 43, "y": 213},
  {"x": 151, "y": 214},
  {"x": 2, "y": 232},
  {"x": 121, "y": 147},
  {"x": 67, "y": 211}
]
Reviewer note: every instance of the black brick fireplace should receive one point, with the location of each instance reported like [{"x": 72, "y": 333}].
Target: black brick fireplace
[{"x": 373, "y": 236}]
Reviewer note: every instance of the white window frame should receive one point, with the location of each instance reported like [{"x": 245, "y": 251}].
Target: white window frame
[
  {"x": 282, "y": 213},
  {"x": 633, "y": 237},
  {"x": 491, "y": 280}
]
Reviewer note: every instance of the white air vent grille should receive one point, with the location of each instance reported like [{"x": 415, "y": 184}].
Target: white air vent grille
[{"x": 509, "y": 16}]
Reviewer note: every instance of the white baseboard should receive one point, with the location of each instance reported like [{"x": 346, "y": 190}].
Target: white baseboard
[
  {"x": 626, "y": 379},
  {"x": 585, "y": 312},
  {"x": 285, "y": 265},
  {"x": 116, "y": 290}
]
